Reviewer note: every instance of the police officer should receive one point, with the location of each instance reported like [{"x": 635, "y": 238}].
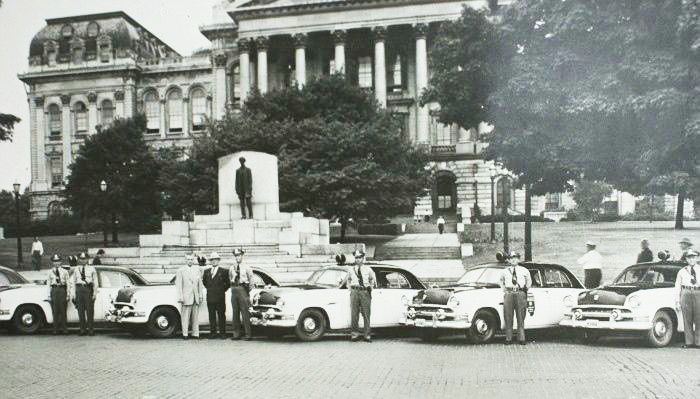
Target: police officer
[
  {"x": 687, "y": 292},
  {"x": 515, "y": 281},
  {"x": 361, "y": 279},
  {"x": 686, "y": 246},
  {"x": 84, "y": 279},
  {"x": 240, "y": 276},
  {"x": 59, "y": 295}
]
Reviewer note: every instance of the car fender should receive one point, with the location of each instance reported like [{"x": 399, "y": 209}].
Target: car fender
[
  {"x": 654, "y": 300},
  {"x": 37, "y": 295}
]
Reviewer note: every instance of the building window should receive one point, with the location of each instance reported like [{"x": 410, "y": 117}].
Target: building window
[
  {"x": 396, "y": 76},
  {"x": 236, "y": 86},
  {"x": 441, "y": 132},
  {"x": 55, "y": 122},
  {"x": 503, "y": 193},
  {"x": 56, "y": 165},
  {"x": 152, "y": 108},
  {"x": 107, "y": 113},
  {"x": 364, "y": 72},
  {"x": 199, "y": 109},
  {"x": 552, "y": 202},
  {"x": 175, "y": 111},
  {"x": 445, "y": 191},
  {"x": 56, "y": 209},
  {"x": 81, "y": 118}
]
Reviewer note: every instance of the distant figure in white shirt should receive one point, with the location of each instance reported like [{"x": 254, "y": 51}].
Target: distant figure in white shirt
[
  {"x": 37, "y": 253},
  {"x": 592, "y": 264},
  {"x": 441, "y": 224}
]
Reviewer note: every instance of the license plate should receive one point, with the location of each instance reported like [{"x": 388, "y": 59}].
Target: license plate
[
  {"x": 420, "y": 322},
  {"x": 592, "y": 323}
]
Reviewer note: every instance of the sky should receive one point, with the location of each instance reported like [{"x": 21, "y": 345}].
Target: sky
[{"x": 176, "y": 22}]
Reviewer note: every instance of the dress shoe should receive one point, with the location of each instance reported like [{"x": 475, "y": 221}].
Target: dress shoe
[
  {"x": 354, "y": 339},
  {"x": 522, "y": 343},
  {"x": 686, "y": 346},
  {"x": 507, "y": 343}
]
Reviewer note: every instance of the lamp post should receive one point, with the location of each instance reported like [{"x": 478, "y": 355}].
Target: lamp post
[
  {"x": 493, "y": 206},
  {"x": 103, "y": 189},
  {"x": 15, "y": 188},
  {"x": 504, "y": 212}
]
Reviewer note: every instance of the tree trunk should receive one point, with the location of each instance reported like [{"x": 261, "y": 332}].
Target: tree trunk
[
  {"x": 115, "y": 229},
  {"x": 343, "y": 225},
  {"x": 528, "y": 224},
  {"x": 679, "y": 209}
]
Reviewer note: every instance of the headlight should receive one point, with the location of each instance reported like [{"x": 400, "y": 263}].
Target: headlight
[
  {"x": 440, "y": 314},
  {"x": 411, "y": 312},
  {"x": 453, "y": 301},
  {"x": 578, "y": 314},
  {"x": 615, "y": 314},
  {"x": 133, "y": 300},
  {"x": 404, "y": 300},
  {"x": 634, "y": 301},
  {"x": 256, "y": 298},
  {"x": 569, "y": 301},
  {"x": 280, "y": 303}
]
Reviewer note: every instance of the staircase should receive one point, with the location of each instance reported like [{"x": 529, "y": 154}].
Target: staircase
[{"x": 397, "y": 253}]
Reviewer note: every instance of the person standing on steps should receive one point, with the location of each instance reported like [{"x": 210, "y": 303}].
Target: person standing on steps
[
  {"x": 441, "y": 224},
  {"x": 244, "y": 188},
  {"x": 240, "y": 277},
  {"x": 216, "y": 282}
]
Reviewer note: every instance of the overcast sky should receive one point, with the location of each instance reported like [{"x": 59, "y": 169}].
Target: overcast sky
[{"x": 176, "y": 22}]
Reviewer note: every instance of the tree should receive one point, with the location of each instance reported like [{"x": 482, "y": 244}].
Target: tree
[
  {"x": 589, "y": 196},
  {"x": 339, "y": 154},
  {"x": 7, "y": 125},
  {"x": 120, "y": 156}
]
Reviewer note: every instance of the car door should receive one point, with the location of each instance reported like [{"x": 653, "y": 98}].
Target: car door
[
  {"x": 335, "y": 299},
  {"x": 110, "y": 282},
  {"x": 387, "y": 306},
  {"x": 557, "y": 286},
  {"x": 536, "y": 315}
]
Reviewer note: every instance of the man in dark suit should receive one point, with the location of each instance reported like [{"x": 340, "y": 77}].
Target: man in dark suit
[
  {"x": 244, "y": 188},
  {"x": 216, "y": 281}
]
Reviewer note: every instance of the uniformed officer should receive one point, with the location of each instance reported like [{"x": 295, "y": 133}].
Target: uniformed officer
[
  {"x": 83, "y": 283},
  {"x": 688, "y": 299},
  {"x": 361, "y": 279},
  {"x": 240, "y": 276},
  {"x": 515, "y": 281},
  {"x": 686, "y": 246},
  {"x": 59, "y": 295}
]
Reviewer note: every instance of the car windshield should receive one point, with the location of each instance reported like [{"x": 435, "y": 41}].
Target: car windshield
[
  {"x": 9, "y": 277},
  {"x": 660, "y": 275},
  {"x": 327, "y": 278},
  {"x": 481, "y": 276}
]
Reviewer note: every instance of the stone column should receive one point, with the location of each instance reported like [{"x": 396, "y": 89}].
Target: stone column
[
  {"x": 220, "y": 84},
  {"x": 185, "y": 116},
  {"x": 92, "y": 113},
  {"x": 40, "y": 147},
  {"x": 119, "y": 108},
  {"x": 162, "y": 118},
  {"x": 66, "y": 134},
  {"x": 339, "y": 41},
  {"x": 262, "y": 42},
  {"x": 379, "y": 65},
  {"x": 300, "y": 59},
  {"x": 244, "y": 68},
  {"x": 421, "y": 31},
  {"x": 128, "y": 96}
]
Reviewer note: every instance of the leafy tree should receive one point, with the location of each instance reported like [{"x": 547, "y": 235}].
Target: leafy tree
[
  {"x": 589, "y": 196},
  {"x": 8, "y": 213},
  {"x": 7, "y": 125},
  {"x": 119, "y": 156}
]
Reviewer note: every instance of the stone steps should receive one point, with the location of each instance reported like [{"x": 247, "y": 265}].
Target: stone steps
[{"x": 396, "y": 253}]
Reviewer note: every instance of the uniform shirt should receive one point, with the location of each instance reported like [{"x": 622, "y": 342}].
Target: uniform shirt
[
  {"x": 683, "y": 279},
  {"x": 38, "y": 246},
  {"x": 90, "y": 275},
  {"x": 591, "y": 260},
  {"x": 522, "y": 275},
  {"x": 369, "y": 279},
  {"x": 245, "y": 275},
  {"x": 62, "y": 278}
]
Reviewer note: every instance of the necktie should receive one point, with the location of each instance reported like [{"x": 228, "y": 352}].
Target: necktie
[
  {"x": 58, "y": 276},
  {"x": 515, "y": 278},
  {"x": 359, "y": 277},
  {"x": 238, "y": 274},
  {"x": 693, "y": 276},
  {"x": 82, "y": 273}
]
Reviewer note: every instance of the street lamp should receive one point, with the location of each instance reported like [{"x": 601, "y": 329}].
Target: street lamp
[
  {"x": 504, "y": 211},
  {"x": 103, "y": 189},
  {"x": 15, "y": 188},
  {"x": 493, "y": 206}
]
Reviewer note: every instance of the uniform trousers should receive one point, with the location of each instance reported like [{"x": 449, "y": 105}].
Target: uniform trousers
[
  {"x": 36, "y": 260},
  {"x": 86, "y": 307},
  {"x": 592, "y": 278},
  {"x": 360, "y": 302},
  {"x": 190, "y": 315},
  {"x": 58, "y": 308},
  {"x": 690, "y": 307},
  {"x": 514, "y": 301},
  {"x": 217, "y": 309},
  {"x": 240, "y": 302}
]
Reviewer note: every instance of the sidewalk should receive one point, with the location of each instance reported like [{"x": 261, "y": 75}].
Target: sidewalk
[{"x": 424, "y": 240}]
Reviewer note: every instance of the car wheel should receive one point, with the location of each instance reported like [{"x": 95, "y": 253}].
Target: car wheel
[
  {"x": 429, "y": 334},
  {"x": 483, "y": 327},
  {"x": 311, "y": 325},
  {"x": 588, "y": 337},
  {"x": 163, "y": 322},
  {"x": 661, "y": 331},
  {"x": 28, "y": 319}
]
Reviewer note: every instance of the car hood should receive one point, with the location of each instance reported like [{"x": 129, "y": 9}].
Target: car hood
[
  {"x": 124, "y": 295},
  {"x": 269, "y": 296},
  {"x": 609, "y": 295},
  {"x": 440, "y": 295}
]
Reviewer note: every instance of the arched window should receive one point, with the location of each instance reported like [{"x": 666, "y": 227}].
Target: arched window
[
  {"x": 93, "y": 30},
  {"x": 152, "y": 110},
  {"x": 55, "y": 122},
  {"x": 236, "y": 86},
  {"x": 81, "y": 118},
  {"x": 175, "y": 111},
  {"x": 198, "y": 100},
  {"x": 107, "y": 112}
]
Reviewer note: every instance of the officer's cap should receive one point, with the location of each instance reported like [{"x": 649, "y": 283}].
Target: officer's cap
[
  {"x": 358, "y": 253},
  {"x": 511, "y": 255},
  {"x": 238, "y": 251},
  {"x": 56, "y": 258},
  {"x": 202, "y": 260},
  {"x": 82, "y": 256},
  {"x": 73, "y": 260},
  {"x": 590, "y": 243},
  {"x": 691, "y": 253}
]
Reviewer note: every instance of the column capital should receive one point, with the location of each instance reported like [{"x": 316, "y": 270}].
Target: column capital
[
  {"x": 119, "y": 95},
  {"x": 220, "y": 60},
  {"x": 162, "y": 101},
  {"x": 339, "y": 36},
  {"x": 379, "y": 33},
  {"x": 243, "y": 45},
  {"x": 185, "y": 99},
  {"x": 65, "y": 99},
  {"x": 261, "y": 42},
  {"x": 300, "y": 40},
  {"x": 92, "y": 97},
  {"x": 39, "y": 101},
  {"x": 421, "y": 31}
]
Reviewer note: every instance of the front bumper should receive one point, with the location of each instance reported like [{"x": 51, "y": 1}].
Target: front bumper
[
  {"x": 627, "y": 325},
  {"x": 271, "y": 317},
  {"x": 435, "y": 323},
  {"x": 435, "y": 317},
  {"x": 126, "y": 314}
]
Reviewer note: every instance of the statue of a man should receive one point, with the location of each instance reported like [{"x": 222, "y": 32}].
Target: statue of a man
[{"x": 244, "y": 188}]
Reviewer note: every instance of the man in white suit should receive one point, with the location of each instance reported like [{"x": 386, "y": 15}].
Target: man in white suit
[{"x": 190, "y": 294}]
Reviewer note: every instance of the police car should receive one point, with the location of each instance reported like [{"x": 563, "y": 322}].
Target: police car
[
  {"x": 474, "y": 305},
  {"x": 640, "y": 300}
]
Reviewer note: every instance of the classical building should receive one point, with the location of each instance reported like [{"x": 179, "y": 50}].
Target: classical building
[{"x": 84, "y": 71}]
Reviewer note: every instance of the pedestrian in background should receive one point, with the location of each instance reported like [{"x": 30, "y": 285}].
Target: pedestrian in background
[
  {"x": 646, "y": 255},
  {"x": 217, "y": 283},
  {"x": 59, "y": 295},
  {"x": 190, "y": 294},
  {"x": 686, "y": 246},
  {"x": 83, "y": 284},
  {"x": 37, "y": 253},
  {"x": 441, "y": 224},
  {"x": 515, "y": 280},
  {"x": 592, "y": 264},
  {"x": 240, "y": 277},
  {"x": 687, "y": 292},
  {"x": 361, "y": 279},
  {"x": 97, "y": 260}
]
